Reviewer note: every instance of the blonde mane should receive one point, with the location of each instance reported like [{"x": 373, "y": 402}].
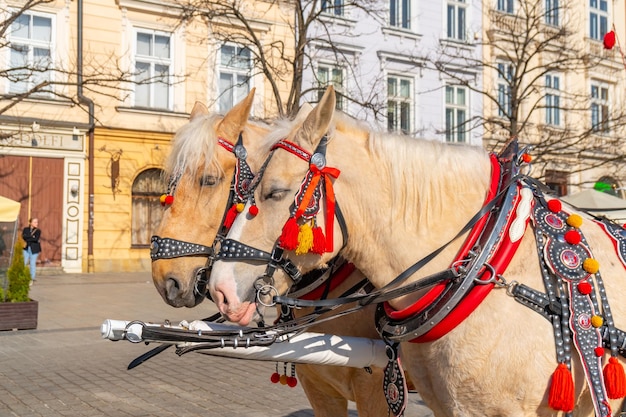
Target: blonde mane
[{"x": 421, "y": 173}]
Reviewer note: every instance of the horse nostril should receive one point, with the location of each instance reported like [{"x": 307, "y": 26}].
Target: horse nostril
[{"x": 172, "y": 288}]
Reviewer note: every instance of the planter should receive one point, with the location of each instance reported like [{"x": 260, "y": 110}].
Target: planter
[{"x": 19, "y": 316}]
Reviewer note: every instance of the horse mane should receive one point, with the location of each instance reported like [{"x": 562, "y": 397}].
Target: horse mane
[{"x": 422, "y": 173}]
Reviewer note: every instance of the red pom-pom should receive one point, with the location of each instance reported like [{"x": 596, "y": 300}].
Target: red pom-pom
[
  {"x": 288, "y": 239},
  {"x": 231, "y": 215},
  {"x": 584, "y": 288},
  {"x": 554, "y": 205},
  {"x": 292, "y": 381},
  {"x": 319, "y": 241},
  {"x": 169, "y": 200},
  {"x": 599, "y": 351},
  {"x": 561, "y": 395},
  {"x": 253, "y": 210},
  {"x": 614, "y": 379},
  {"x": 572, "y": 237},
  {"x": 275, "y": 378},
  {"x": 526, "y": 158},
  {"x": 609, "y": 40}
]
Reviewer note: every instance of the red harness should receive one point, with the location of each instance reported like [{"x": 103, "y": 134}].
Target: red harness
[{"x": 499, "y": 261}]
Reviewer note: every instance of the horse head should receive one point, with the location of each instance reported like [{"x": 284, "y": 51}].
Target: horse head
[
  {"x": 256, "y": 261},
  {"x": 200, "y": 169}
]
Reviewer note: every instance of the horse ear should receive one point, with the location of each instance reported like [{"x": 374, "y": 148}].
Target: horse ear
[
  {"x": 199, "y": 109},
  {"x": 318, "y": 121},
  {"x": 304, "y": 111},
  {"x": 235, "y": 120}
]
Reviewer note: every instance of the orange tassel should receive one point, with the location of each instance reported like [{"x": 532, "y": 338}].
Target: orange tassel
[
  {"x": 614, "y": 379},
  {"x": 319, "y": 241},
  {"x": 561, "y": 395},
  {"x": 231, "y": 215},
  {"x": 288, "y": 239}
]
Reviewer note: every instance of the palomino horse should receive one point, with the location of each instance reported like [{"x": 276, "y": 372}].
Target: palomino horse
[
  {"x": 504, "y": 301},
  {"x": 201, "y": 169}
]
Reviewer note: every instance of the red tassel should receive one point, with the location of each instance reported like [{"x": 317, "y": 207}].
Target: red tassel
[
  {"x": 319, "y": 241},
  {"x": 614, "y": 379},
  {"x": 231, "y": 215},
  {"x": 561, "y": 395},
  {"x": 288, "y": 239}
]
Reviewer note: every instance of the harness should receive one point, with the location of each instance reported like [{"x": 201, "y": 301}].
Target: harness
[
  {"x": 241, "y": 184},
  {"x": 570, "y": 275},
  {"x": 316, "y": 186}
]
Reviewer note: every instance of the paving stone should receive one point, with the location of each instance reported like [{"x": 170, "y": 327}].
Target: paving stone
[{"x": 65, "y": 368}]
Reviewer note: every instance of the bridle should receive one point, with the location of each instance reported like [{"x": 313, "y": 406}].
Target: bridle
[
  {"x": 241, "y": 190},
  {"x": 316, "y": 186}
]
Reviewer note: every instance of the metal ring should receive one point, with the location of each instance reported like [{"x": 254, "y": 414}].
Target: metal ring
[
  {"x": 266, "y": 290},
  {"x": 510, "y": 287}
]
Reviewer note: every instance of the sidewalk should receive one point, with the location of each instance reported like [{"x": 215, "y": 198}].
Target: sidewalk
[{"x": 65, "y": 368}]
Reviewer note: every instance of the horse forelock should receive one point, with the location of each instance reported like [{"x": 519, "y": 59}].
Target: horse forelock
[{"x": 193, "y": 147}]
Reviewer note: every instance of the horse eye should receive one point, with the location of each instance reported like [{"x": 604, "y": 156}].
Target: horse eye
[
  {"x": 209, "y": 181},
  {"x": 276, "y": 195}
]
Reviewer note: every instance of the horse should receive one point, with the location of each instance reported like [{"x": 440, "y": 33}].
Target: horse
[
  {"x": 200, "y": 167},
  {"x": 499, "y": 299}
]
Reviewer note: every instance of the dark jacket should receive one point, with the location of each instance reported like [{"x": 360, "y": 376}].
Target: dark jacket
[{"x": 31, "y": 237}]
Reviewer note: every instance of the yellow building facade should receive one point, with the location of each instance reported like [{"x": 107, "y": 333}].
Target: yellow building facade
[{"x": 142, "y": 70}]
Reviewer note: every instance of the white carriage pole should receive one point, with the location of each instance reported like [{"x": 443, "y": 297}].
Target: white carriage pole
[{"x": 308, "y": 347}]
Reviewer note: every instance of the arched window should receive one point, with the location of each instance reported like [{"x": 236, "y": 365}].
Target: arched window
[{"x": 147, "y": 210}]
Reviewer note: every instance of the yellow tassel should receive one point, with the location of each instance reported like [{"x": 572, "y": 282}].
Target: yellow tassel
[{"x": 305, "y": 239}]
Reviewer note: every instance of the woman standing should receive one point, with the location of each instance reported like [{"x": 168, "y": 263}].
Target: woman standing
[{"x": 31, "y": 235}]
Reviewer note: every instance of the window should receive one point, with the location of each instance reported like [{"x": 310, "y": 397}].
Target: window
[
  {"x": 553, "y": 100},
  {"x": 505, "y": 78},
  {"x": 146, "y": 206},
  {"x": 505, "y": 6},
  {"x": 552, "y": 12},
  {"x": 456, "y": 19},
  {"x": 399, "y": 104},
  {"x": 400, "y": 13},
  {"x": 334, "y": 7},
  {"x": 456, "y": 113},
  {"x": 235, "y": 74},
  {"x": 331, "y": 75},
  {"x": 598, "y": 19},
  {"x": 557, "y": 182},
  {"x": 153, "y": 65},
  {"x": 31, "y": 44},
  {"x": 599, "y": 107}
]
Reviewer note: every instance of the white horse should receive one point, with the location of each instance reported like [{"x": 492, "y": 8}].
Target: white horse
[{"x": 402, "y": 199}]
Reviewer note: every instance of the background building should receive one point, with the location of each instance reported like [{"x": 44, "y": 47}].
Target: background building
[{"x": 94, "y": 90}]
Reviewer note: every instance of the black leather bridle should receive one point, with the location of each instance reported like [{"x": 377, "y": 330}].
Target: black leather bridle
[{"x": 240, "y": 188}]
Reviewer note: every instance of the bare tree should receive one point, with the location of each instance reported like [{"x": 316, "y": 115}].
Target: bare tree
[
  {"x": 34, "y": 73},
  {"x": 537, "y": 67},
  {"x": 283, "y": 61}
]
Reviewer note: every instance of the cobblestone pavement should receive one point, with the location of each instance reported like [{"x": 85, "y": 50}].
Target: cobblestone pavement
[{"x": 65, "y": 368}]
